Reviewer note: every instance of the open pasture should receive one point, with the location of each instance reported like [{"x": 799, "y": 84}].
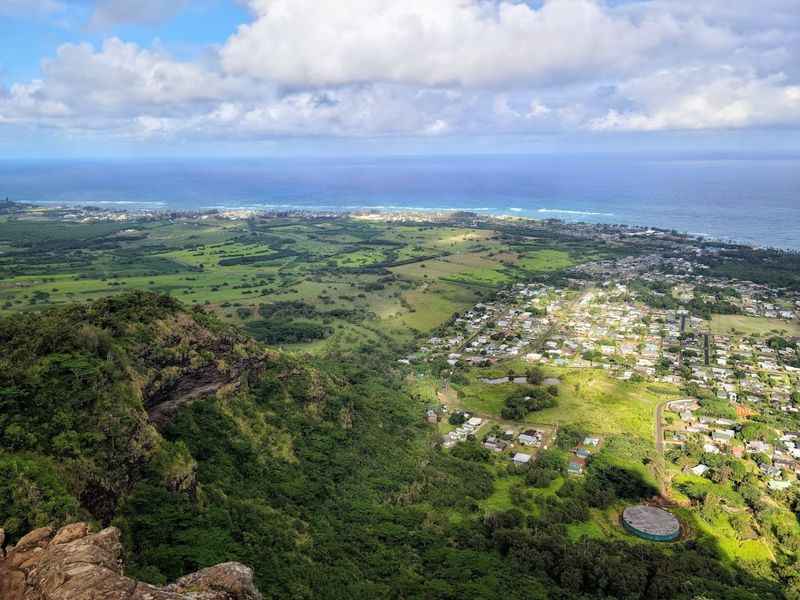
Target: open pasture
[
  {"x": 761, "y": 326},
  {"x": 408, "y": 278}
]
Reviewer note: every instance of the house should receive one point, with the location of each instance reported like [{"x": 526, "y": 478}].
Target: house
[
  {"x": 582, "y": 453},
  {"x": 784, "y": 462},
  {"x": 475, "y": 422},
  {"x": 527, "y": 440},
  {"x": 683, "y": 405},
  {"x": 770, "y": 471},
  {"x": 577, "y": 465},
  {"x": 495, "y": 444},
  {"x": 699, "y": 470},
  {"x": 591, "y": 441},
  {"x": 757, "y": 446},
  {"x": 521, "y": 459},
  {"x": 723, "y": 435}
]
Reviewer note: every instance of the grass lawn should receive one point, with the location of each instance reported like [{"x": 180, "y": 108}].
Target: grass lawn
[
  {"x": 543, "y": 261},
  {"x": 602, "y": 525},
  {"x": 731, "y": 324},
  {"x": 425, "y": 386},
  {"x": 500, "y": 499},
  {"x": 603, "y": 405},
  {"x": 483, "y": 398},
  {"x": 427, "y": 270},
  {"x": 724, "y": 536},
  {"x": 432, "y": 305},
  {"x": 587, "y": 397},
  {"x": 480, "y": 278},
  {"x": 472, "y": 261},
  {"x": 590, "y": 529}
]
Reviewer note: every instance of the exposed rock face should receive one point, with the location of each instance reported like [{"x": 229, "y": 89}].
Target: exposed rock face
[
  {"x": 74, "y": 564},
  {"x": 183, "y": 370}
]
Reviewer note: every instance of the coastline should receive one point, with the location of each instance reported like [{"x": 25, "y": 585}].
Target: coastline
[
  {"x": 746, "y": 201},
  {"x": 156, "y": 210}
]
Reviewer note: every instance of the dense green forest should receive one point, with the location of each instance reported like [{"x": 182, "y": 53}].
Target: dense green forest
[{"x": 204, "y": 446}]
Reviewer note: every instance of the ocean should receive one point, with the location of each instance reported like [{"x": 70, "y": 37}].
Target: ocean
[{"x": 754, "y": 200}]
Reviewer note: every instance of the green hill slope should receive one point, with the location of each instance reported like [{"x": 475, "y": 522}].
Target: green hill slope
[{"x": 205, "y": 447}]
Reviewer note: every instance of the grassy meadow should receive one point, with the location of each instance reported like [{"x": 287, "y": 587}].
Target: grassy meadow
[
  {"x": 405, "y": 279},
  {"x": 744, "y": 325}
]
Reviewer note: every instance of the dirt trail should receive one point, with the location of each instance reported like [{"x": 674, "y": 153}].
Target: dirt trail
[{"x": 663, "y": 479}]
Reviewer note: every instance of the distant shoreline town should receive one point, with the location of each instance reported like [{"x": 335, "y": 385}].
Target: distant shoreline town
[{"x": 90, "y": 213}]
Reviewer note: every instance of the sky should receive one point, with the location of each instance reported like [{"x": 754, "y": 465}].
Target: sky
[{"x": 90, "y": 78}]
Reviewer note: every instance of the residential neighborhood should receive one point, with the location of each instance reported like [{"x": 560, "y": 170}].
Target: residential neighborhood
[{"x": 729, "y": 346}]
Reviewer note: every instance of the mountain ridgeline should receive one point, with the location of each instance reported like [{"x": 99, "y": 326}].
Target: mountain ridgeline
[{"x": 202, "y": 446}]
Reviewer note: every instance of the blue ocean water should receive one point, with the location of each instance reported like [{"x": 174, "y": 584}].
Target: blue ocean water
[{"x": 749, "y": 199}]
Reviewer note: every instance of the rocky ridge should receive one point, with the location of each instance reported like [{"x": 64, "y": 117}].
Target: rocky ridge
[{"x": 75, "y": 564}]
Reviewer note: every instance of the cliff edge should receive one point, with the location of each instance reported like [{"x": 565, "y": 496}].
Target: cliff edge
[{"x": 74, "y": 564}]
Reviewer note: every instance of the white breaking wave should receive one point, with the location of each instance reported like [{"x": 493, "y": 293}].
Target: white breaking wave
[
  {"x": 343, "y": 207},
  {"x": 102, "y": 202},
  {"x": 575, "y": 212}
]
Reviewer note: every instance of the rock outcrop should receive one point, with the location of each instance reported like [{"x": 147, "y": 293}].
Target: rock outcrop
[{"x": 74, "y": 564}]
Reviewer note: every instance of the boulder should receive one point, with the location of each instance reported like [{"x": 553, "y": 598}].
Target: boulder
[
  {"x": 34, "y": 539},
  {"x": 74, "y": 564},
  {"x": 70, "y": 533},
  {"x": 233, "y": 579}
]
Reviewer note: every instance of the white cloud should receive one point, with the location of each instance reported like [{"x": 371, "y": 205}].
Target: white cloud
[
  {"x": 451, "y": 42},
  {"x": 122, "y": 77},
  {"x": 127, "y": 90},
  {"x": 433, "y": 68},
  {"x": 704, "y": 98}
]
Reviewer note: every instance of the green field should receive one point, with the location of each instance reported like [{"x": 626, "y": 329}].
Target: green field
[
  {"x": 232, "y": 267},
  {"x": 405, "y": 279},
  {"x": 742, "y": 325},
  {"x": 604, "y": 405},
  {"x": 587, "y": 397},
  {"x": 546, "y": 260}
]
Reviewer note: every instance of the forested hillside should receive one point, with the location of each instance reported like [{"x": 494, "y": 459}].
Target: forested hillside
[{"x": 203, "y": 446}]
